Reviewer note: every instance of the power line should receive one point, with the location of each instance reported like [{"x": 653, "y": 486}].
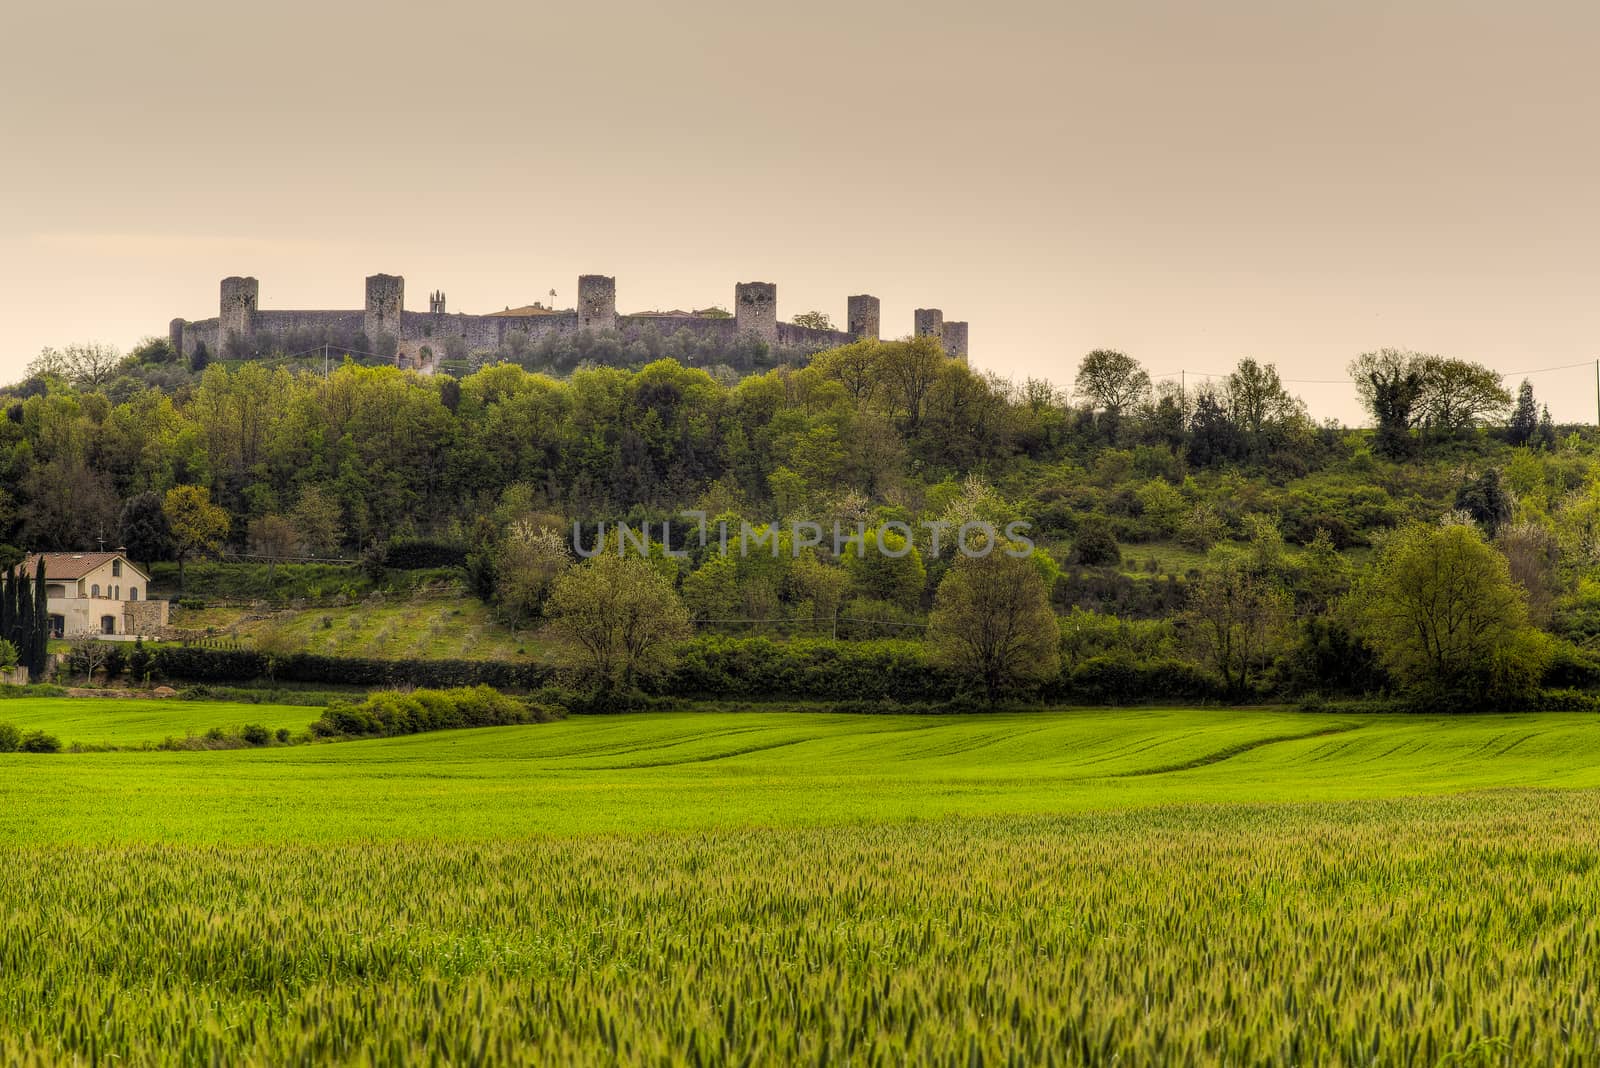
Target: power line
[{"x": 1351, "y": 381}]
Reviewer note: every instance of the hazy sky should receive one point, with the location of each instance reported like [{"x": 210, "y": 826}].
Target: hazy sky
[{"x": 1191, "y": 183}]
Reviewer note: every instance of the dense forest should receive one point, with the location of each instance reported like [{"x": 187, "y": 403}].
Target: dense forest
[{"x": 1217, "y": 529}]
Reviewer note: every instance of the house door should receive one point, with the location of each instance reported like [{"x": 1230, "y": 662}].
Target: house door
[{"x": 108, "y": 624}]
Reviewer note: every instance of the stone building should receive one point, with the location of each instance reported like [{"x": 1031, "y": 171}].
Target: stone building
[
  {"x": 104, "y": 594},
  {"x": 418, "y": 339}
]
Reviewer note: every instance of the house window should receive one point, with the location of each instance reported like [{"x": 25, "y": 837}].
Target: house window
[
  {"x": 94, "y": 591},
  {"x": 133, "y": 593},
  {"x": 116, "y": 569},
  {"x": 58, "y": 626},
  {"x": 55, "y": 589},
  {"x": 108, "y": 624}
]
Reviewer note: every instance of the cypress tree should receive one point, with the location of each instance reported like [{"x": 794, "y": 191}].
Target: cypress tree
[
  {"x": 22, "y": 623},
  {"x": 41, "y": 621},
  {"x": 8, "y": 606}
]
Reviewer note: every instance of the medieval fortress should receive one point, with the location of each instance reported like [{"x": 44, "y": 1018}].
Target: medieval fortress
[{"x": 419, "y": 338}]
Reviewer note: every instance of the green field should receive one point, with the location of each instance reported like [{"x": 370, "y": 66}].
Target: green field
[
  {"x": 128, "y": 722},
  {"x": 1144, "y": 886}
]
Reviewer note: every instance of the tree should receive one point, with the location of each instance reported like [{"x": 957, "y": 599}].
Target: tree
[
  {"x": 814, "y": 320},
  {"x": 1113, "y": 381},
  {"x": 910, "y": 369},
  {"x": 153, "y": 350},
  {"x": 1531, "y": 555},
  {"x": 1236, "y": 617},
  {"x": 88, "y": 655},
  {"x": 1524, "y": 421},
  {"x": 1486, "y": 501},
  {"x": 71, "y": 505},
  {"x": 197, "y": 525},
  {"x": 1096, "y": 544},
  {"x": 1389, "y": 383},
  {"x": 1441, "y": 611},
  {"x": 1214, "y": 438},
  {"x": 143, "y": 528},
  {"x": 992, "y": 621},
  {"x": 1258, "y": 405},
  {"x": 887, "y": 568},
  {"x": 272, "y": 536},
  {"x": 615, "y": 621},
  {"x": 527, "y": 562},
  {"x": 318, "y": 520},
  {"x": 88, "y": 365},
  {"x": 1545, "y": 436},
  {"x": 1457, "y": 395}
]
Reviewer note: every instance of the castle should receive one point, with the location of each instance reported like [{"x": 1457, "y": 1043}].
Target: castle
[{"x": 419, "y": 339}]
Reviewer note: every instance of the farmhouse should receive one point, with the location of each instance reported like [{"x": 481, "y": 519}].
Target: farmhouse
[{"x": 103, "y": 594}]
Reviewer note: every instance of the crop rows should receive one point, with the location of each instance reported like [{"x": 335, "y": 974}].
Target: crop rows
[{"x": 1446, "y": 931}]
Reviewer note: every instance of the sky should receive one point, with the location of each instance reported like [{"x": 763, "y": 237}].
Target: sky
[{"x": 1297, "y": 182}]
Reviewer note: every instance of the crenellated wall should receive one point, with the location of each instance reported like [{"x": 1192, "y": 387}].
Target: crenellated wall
[{"x": 422, "y": 337}]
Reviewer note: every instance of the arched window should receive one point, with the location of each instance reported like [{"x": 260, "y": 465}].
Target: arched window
[
  {"x": 133, "y": 593},
  {"x": 116, "y": 569},
  {"x": 94, "y": 591}
]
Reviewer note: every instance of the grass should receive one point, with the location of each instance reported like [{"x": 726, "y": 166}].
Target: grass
[
  {"x": 126, "y": 722},
  {"x": 705, "y": 771},
  {"x": 1151, "y": 886},
  {"x": 426, "y": 624}
]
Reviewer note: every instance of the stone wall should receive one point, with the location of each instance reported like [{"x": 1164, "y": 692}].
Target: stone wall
[
  {"x": 145, "y": 618},
  {"x": 285, "y": 322},
  {"x": 809, "y": 337},
  {"x": 421, "y": 335}
]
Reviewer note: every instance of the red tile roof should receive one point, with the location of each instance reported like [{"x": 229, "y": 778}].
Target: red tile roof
[{"x": 72, "y": 565}]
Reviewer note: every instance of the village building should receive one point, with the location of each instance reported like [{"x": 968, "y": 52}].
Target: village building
[{"x": 103, "y": 594}]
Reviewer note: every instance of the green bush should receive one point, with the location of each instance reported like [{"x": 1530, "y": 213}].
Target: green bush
[
  {"x": 393, "y": 712},
  {"x": 10, "y": 737},
  {"x": 39, "y": 742},
  {"x": 255, "y": 734}
]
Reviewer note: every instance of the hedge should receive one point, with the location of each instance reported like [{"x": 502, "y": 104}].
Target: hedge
[
  {"x": 197, "y": 664},
  {"x": 416, "y": 554},
  {"x": 391, "y": 712},
  {"x": 716, "y": 666}
]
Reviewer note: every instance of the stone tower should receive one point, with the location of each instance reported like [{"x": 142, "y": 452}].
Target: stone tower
[
  {"x": 597, "y": 302},
  {"x": 755, "y": 310},
  {"x": 386, "y": 299},
  {"x": 238, "y": 313},
  {"x": 436, "y": 302},
  {"x": 175, "y": 334},
  {"x": 955, "y": 340},
  {"x": 862, "y": 317},
  {"x": 928, "y": 322}
]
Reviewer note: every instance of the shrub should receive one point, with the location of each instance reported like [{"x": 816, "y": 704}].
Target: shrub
[
  {"x": 414, "y": 554},
  {"x": 255, "y": 734},
  {"x": 39, "y": 742},
  {"x": 10, "y": 737},
  {"x": 392, "y": 712},
  {"x": 1095, "y": 545}
]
